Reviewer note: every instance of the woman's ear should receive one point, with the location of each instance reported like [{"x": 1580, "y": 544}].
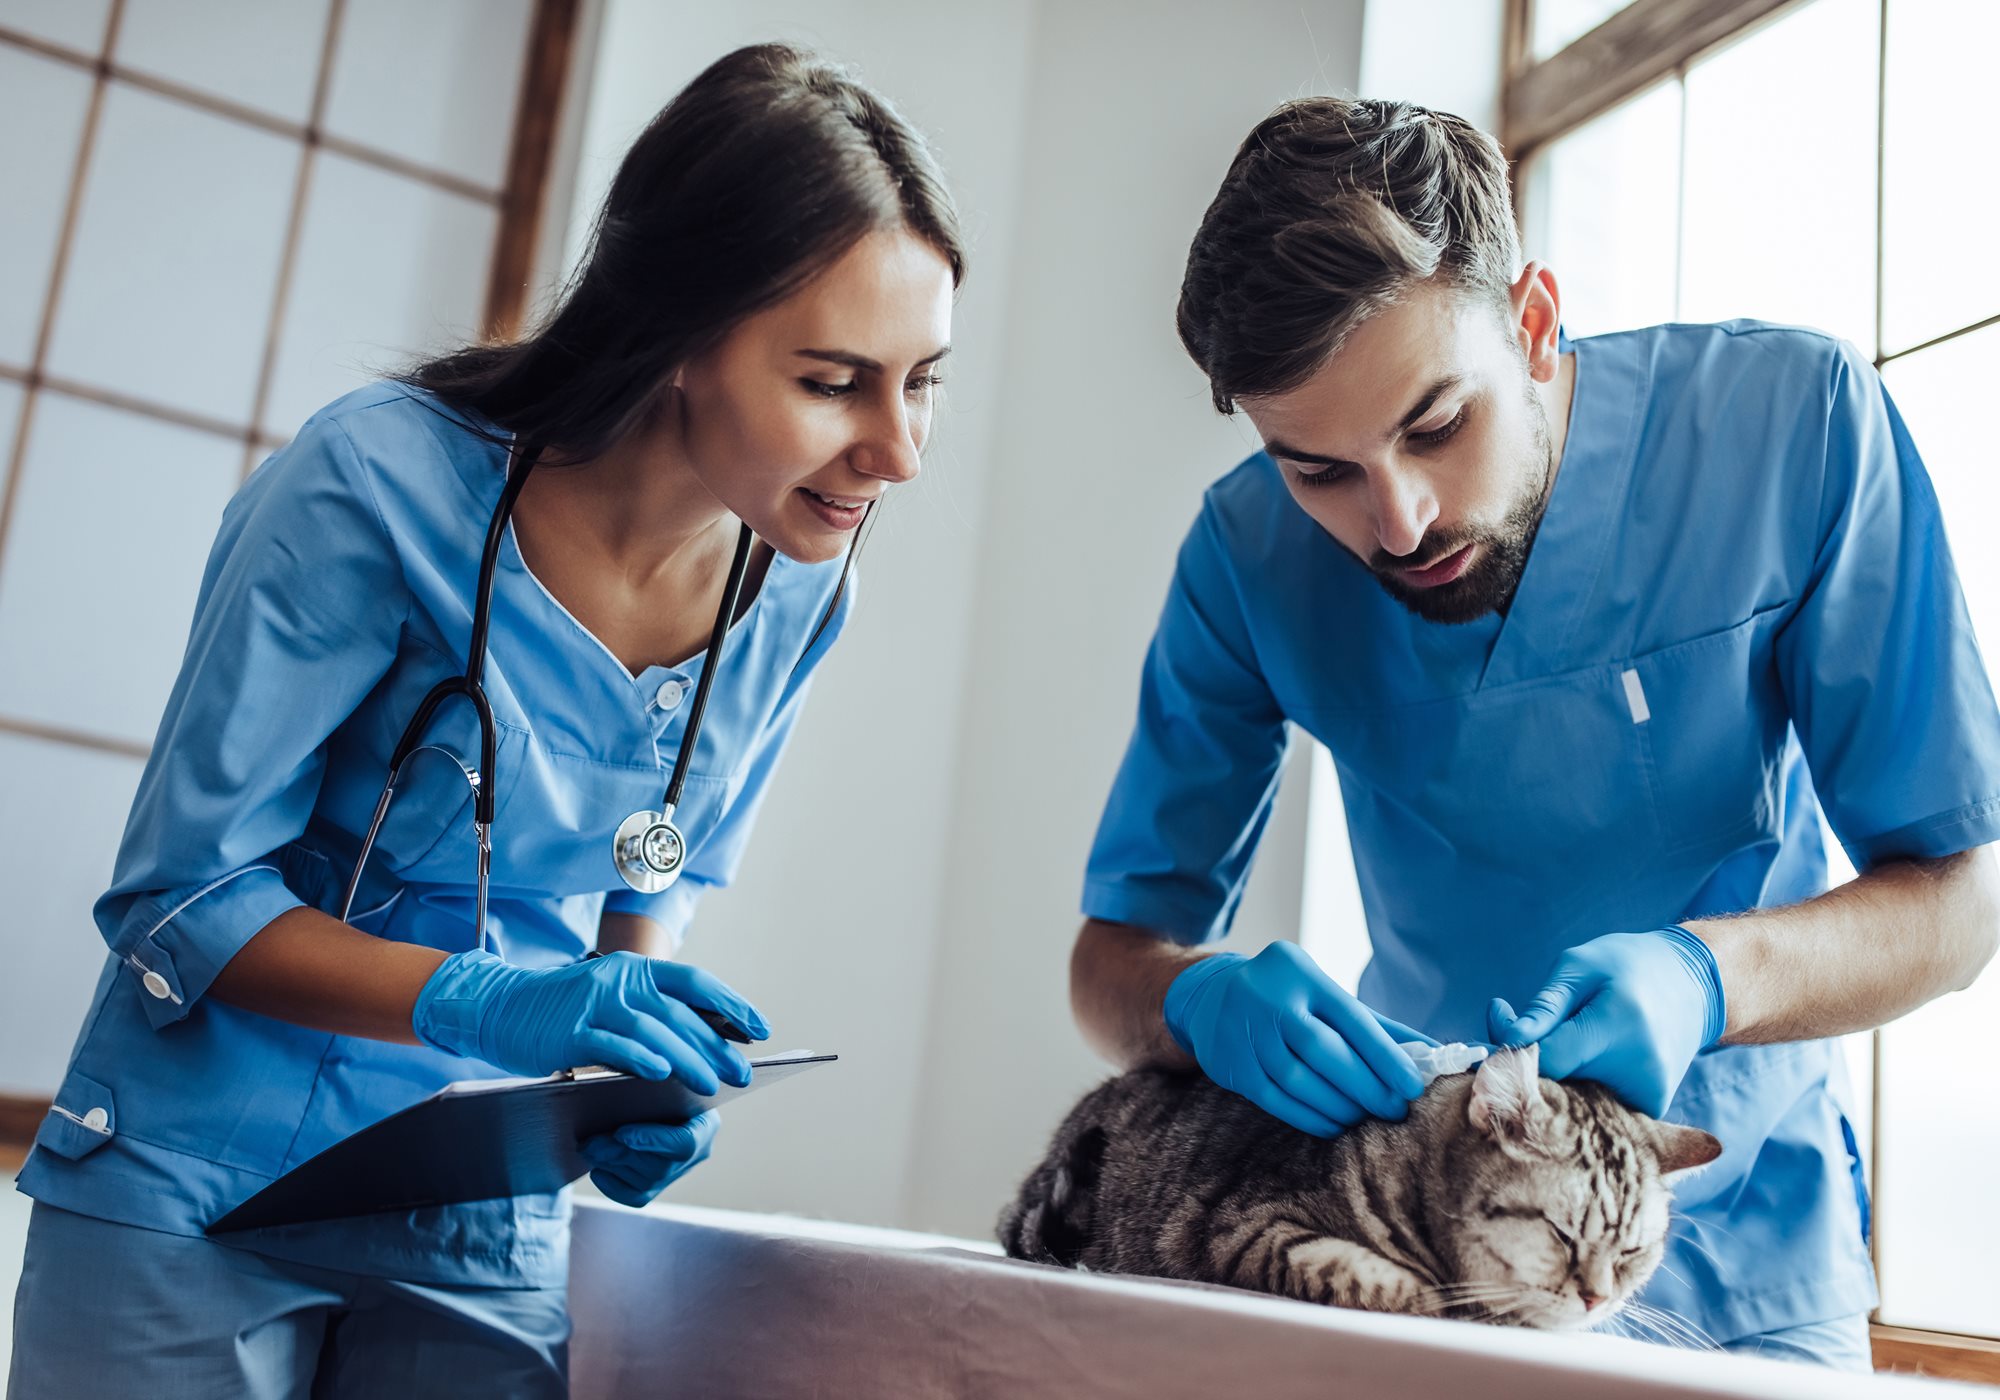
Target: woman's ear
[{"x": 1507, "y": 1103}]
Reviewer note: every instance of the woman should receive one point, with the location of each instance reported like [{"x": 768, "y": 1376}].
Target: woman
[{"x": 750, "y": 349}]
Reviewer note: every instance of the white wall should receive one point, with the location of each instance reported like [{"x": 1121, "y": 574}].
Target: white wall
[
  {"x": 832, "y": 925},
  {"x": 1100, "y": 462}
]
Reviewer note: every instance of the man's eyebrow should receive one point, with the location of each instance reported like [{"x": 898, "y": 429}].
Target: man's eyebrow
[
  {"x": 862, "y": 362},
  {"x": 1439, "y": 387}
]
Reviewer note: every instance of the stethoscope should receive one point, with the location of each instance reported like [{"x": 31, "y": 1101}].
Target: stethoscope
[{"x": 648, "y": 849}]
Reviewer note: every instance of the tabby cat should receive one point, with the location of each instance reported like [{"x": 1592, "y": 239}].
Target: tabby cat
[{"x": 1503, "y": 1197}]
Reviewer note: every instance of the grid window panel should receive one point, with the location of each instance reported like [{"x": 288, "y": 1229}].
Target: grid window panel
[
  {"x": 42, "y": 109},
  {"x": 1941, "y": 198},
  {"x": 169, "y": 289},
  {"x": 1779, "y": 209},
  {"x": 10, "y": 419},
  {"x": 1557, "y": 23},
  {"x": 75, "y": 24},
  {"x": 260, "y": 54},
  {"x": 1938, "y": 1132},
  {"x": 434, "y": 83},
  {"x": 113, "y": 518},
  {"x": 1615, "y": 182},
  {"x": 387, "y": 267},
  {"x": 58, "y": 836}
]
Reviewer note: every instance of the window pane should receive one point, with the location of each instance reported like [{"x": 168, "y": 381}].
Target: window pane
[
  {"x": 1942, "y": 202},
  {"x": 1558, "y": 23},
  {"x": 1780, "y": 202},
  {"x": 1939, "y": 1135},
  {"x": 1603, "y": 208}
]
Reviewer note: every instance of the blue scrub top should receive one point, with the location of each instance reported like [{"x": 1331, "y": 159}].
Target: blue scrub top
[
  {"x": 1739, "y": 609},
  {"x": 338, "y": 592}
]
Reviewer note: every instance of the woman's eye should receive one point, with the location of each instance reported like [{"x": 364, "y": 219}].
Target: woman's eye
[
  {"x": 1438, "y": 435},
  {"x": 828, "y": 391},
  {"x": 923, "y": 383}
]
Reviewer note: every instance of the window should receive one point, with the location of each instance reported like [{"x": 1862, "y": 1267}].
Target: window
[
  {"x": 220, "y": 215},
  {"x": 1814, "y": 164}
]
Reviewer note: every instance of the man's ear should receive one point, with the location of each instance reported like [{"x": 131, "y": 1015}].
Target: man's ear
[
  {"x": 1535, "y": 305},
  {"x": 1507, "y": 1103}
]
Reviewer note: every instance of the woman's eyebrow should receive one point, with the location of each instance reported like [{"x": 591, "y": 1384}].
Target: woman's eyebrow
[{"x": 862, "y": 362}]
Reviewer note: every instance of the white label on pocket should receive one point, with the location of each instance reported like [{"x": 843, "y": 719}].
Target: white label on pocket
[{"x": 1635, "y": 697}]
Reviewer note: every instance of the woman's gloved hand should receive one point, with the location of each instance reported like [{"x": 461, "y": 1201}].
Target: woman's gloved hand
[
  {"x": 625, "y": 1011},
  {"x": 1630, "y": 1010},
  {"x": 1280, "y": 1032},
  {"x": 641, "y": 1160}
]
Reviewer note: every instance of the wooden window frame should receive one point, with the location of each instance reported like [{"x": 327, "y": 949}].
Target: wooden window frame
[
  {"x": 1544, "y": 100},
  {"x": 553, "y": 34}
]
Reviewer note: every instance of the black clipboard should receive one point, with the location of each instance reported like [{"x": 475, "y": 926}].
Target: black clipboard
[{"x": 483, "y": 1139}]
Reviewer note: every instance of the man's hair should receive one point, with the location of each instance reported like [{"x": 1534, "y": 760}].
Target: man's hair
[{"x": 1331, "y": 211}]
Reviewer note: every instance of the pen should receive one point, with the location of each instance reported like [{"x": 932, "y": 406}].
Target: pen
[{"x": 714, "y": 1020}]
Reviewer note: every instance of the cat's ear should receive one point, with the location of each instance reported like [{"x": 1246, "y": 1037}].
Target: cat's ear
[
  {"x": 1507, "y": 1103},
  {"x": 1682, "y": 1149}
]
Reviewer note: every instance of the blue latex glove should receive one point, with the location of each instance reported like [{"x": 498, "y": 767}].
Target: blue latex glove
[
  {"x": 1280, "y": 1032},
  {"x": 641, "y": 1160},
  {"x": 1630, "y": 1010},
  {"x": 628, "y": 1012}
]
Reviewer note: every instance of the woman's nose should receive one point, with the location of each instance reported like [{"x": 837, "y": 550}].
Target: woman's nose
[{"x": 893, "y": 452}]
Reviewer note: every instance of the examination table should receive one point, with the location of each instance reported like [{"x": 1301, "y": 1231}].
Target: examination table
[{"x": 697, "y": 1304}]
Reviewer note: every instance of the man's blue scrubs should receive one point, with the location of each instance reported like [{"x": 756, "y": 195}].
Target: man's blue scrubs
[
  {"x": 339, "y": 591},
  {"x": 1739, "y": 609}
]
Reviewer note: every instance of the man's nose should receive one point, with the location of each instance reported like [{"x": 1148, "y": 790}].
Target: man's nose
[{"x": 1405, "y": 506}]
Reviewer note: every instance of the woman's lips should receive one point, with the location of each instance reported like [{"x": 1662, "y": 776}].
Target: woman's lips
[
  {"x": 839, "y": 517},
  {"x": 1440, "y": 573}
]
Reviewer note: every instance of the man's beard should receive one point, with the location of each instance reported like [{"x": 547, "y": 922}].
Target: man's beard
[{"x": 1489, "y": 585}]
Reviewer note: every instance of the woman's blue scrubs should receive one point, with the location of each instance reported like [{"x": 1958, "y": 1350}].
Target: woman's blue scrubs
[
  {"x": 1739, "y": 609},
  {"x": 339, "y": 590}
]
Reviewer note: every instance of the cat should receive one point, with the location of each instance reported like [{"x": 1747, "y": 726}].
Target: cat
[{"x": 1503, "y": 1197}]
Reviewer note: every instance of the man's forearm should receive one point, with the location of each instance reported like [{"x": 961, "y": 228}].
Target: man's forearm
[
  {"x": 1118, "y": 978},
  {"x": 1856, "y": 957}
]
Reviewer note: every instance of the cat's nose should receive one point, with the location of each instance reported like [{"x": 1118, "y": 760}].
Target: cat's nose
[{"x": 1590, "y": 1300}]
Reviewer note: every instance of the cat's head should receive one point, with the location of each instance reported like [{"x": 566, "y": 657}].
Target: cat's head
[{"x": 1559, "y": 1195}]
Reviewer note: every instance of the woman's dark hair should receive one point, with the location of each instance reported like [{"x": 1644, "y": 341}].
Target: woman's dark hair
[{"x": 758, "y": 175}]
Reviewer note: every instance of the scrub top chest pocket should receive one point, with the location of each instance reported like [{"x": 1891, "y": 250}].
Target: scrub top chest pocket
[{"x": 1712, "y": 727}]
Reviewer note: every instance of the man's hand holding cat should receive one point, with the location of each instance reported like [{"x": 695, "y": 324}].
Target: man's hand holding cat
[
  {"x": 1280, "y": 1032},
  {"x": 1629, "y": 1010}
]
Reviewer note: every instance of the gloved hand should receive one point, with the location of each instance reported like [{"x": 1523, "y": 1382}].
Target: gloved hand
[
  {"x": 629, "y": 1012},
  {"x": 1630, "y": 1010},
  {"x": 1277, "y": 1030},
  {"x": 640, "y": 1160}
]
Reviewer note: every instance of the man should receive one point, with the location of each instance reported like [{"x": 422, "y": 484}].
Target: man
[{"x": 1593, "y": 631}]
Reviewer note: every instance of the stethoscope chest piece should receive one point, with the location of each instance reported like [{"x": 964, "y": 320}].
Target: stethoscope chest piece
[{"x": 649, "y": 850}]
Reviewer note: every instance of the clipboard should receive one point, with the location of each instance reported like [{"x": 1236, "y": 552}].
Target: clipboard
[{"x": 481, "y": 1139}]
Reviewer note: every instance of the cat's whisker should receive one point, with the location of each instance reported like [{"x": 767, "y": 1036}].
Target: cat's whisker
[{"x": 1687, "y": 1333}]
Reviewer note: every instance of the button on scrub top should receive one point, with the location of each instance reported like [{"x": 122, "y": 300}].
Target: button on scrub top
[
  {"x": 339, "y": 590},
  {"x": 1739, "y": 610}
]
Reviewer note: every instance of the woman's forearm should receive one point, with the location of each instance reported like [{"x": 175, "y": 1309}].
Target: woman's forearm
[{"x": 312, "y": 970}]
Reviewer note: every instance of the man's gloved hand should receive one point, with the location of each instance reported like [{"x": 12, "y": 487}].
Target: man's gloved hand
[
  {"x": 640, "y": 1160},
  {"x": 629, "y": 1012},
  {"x": 1630, "y": 1010},
  {"x": 1277, "y": 1030}
]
